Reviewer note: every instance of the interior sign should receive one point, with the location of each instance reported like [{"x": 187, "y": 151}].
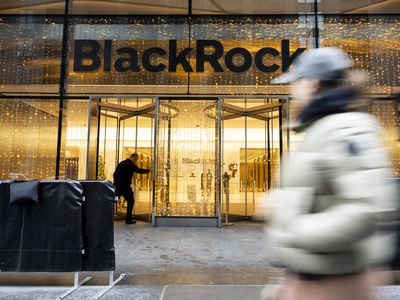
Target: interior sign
[{"x": 90, "y": 57}]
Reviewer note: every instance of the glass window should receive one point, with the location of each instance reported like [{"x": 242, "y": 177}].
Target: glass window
[
  {"x": 28, "y": 138},
  {"x": 118, "y": 45},
  {"x": 294, "y": 6},
  {"x": 359, "y": 6},
  {"x": 30, "y": 7},
  {"x": 127, "y": 7},
  {"x": 30, "y": 54},
  {"x": 386, "y": 113},
  {"x": 74, "y": 154},
  {"x": 255, "y": 50},
  {"x": 372, "y": 42},
  {"x": 251, "y": 7},
  {"x": 108, "y": 136},
  {"x": 110, "y": 55}
]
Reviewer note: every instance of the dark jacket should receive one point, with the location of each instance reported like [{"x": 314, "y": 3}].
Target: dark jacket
[
  {"x": 332, "y": 101},
  {"x": 124, "y": 172}
]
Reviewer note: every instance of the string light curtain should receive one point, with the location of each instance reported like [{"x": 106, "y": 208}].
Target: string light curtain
[{"x": 28, "y": 131}]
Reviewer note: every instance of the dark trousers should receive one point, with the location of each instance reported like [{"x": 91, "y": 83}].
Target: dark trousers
[{"x": 127, "y": 193}]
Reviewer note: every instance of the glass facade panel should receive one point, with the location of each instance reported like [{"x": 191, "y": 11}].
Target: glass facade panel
[
  {"x": 30, "y": 54},
  {"x": 359, "y": 6},
  {"x": 257, "y": 163},
  {"x": 139, "y": 55},
  {"x": 372, "y": 42},
  {"x": 28, "y": 135},
  {"x": 207, "y": 7},
  {"x": 30, "y": 7},
  {"x": 73, "y": 164},
  {"x": 126, "y": 7},
  {"x": 251, "y": 153},
  {"x": 186, "y": 159},
  {"x": 143, "y": 54},
  {"x": 233, "y": 145},
  {"x": 255, "y": 50},
  {"x": 236, "y": 7},
  {"x": 120, "y": 67},
  {"x": 387, "y": 114},
  {"x": 108, "y": 137}
]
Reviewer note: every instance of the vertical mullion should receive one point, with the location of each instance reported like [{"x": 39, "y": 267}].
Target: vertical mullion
[
  {"x": 219, "y": 160},
  {"x": 287, "y": 124},
  {"x": 245, "y": 160},
  {"x": 88, "y": 137},
  {"x": 63, "y": 75},
  {"x": 316, "y": 28},
  {"x": 155, "y": 174},
  {"x": 189, "y": 40}
]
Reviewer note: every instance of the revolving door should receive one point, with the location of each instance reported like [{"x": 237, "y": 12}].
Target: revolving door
[
  {"x": 255, "y": 135},
  {"x": 125, "y": 126},
  {"x": 203, "y": 153},
  {"x": 186, "y": 181}
]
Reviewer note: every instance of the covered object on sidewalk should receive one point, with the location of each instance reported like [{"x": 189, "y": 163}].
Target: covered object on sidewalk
[{"x": 70, "y": 229}]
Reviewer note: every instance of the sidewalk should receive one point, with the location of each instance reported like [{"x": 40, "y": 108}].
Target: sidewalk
[
  {"x": 171, "y": 263},
  {"x": 174, "y": 292},
  {"x": 192, "y": 256},
  {"x": 184, "y": 256}
]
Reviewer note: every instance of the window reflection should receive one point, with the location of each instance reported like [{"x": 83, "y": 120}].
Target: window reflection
[
  {"x": 137, "y": 7},
  {"x": 35, "y": 7}
]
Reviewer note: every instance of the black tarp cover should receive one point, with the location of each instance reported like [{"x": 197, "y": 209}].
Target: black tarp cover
[
  {"x": 43, "y": 237},
  {"x": 10, "y": 230},
  {"x": 49, "y": 236},
  {"x": 98, "y": 226}
]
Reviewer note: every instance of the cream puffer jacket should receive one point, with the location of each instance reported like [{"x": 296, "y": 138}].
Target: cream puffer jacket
[{"x": 335, "y": 210}]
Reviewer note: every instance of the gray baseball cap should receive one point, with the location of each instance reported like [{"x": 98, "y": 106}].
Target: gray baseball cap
[{"x": 321, "y": 63}]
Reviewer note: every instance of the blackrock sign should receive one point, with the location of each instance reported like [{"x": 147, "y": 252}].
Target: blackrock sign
[{"x": 90, "y": 57}]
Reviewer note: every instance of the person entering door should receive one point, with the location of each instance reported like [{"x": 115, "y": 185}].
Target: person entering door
[{"x": 123, "y": 180}]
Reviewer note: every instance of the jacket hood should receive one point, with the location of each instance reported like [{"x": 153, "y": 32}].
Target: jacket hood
[{"x": 333, "y": 101}]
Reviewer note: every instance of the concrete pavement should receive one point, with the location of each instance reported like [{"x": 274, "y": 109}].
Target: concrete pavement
[
  {"x": 172, "y": 292},
  {"x": 171, "y": 264}
]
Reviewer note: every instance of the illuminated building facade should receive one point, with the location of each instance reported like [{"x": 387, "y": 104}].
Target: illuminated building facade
[{"x": 184, "y": 83}]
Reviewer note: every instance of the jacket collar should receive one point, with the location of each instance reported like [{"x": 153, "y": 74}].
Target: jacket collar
[{"x": 333, "y": 101}]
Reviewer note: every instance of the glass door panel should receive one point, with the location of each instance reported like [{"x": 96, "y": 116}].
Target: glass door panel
[
  {"x": 136, "y": 136},
  {"x": 255, "y": 125},
  {"x": 107, "y": 153},
  {"x": 234, "y": 137},
  {"x": 126, "y": 127},
  {"x": 187, "y": 155}
]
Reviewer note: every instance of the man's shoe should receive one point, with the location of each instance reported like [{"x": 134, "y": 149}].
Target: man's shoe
[{"x": 128, "y": 222}]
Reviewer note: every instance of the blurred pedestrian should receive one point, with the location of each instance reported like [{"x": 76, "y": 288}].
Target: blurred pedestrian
[
  {"x": 332, "y": 224},
  {"x": 123, "y": 181}
]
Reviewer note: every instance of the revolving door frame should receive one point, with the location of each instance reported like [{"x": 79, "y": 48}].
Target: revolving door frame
[
  {"x": 154, "y": 108},
  {"x": 128, "y": 112},
  {"x": 185, "y": 221},
  {"x": 282, "y": 99},
  {"x": 284, "y": 129}
]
